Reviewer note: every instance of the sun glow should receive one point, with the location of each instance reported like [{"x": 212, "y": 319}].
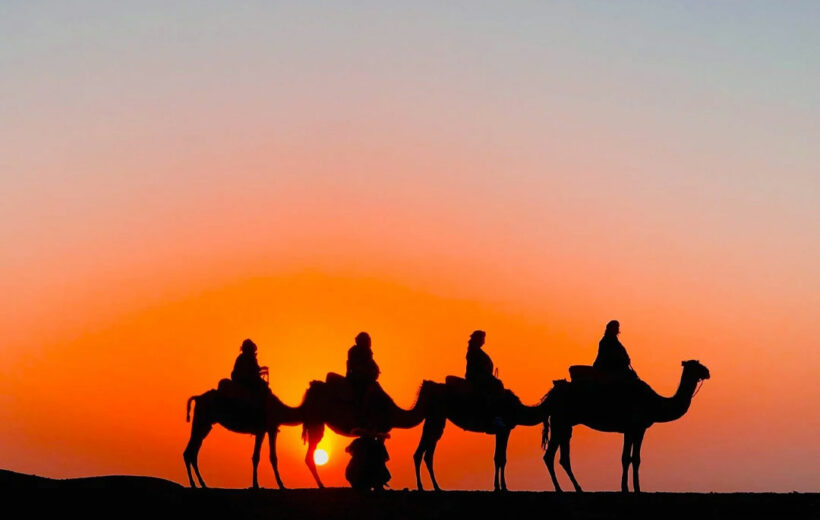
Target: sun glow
[{"x": 320, "y": 457}]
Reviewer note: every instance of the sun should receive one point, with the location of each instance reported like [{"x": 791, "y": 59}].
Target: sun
[{"x": 320, "y": 457}]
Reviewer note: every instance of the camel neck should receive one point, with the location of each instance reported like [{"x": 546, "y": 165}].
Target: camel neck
[
  {"x": 672, "y": 408},
  {"x": 531, "y": 415}
]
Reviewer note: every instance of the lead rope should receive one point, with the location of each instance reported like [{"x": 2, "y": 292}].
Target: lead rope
[{"x": 700, "y": 384}]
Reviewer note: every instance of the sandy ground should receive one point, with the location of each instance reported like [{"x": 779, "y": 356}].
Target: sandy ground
[{"x": 26, "y": 496}]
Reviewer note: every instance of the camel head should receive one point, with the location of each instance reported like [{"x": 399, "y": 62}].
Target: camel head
[{"x": 698, "y": 371}]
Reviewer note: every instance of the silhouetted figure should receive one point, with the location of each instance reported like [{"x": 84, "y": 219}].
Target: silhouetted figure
[
  {"x": 247, "y": 372},
  {"x": 362, "y": 370},
  {"x": 367, "y": 469},
  {"x": 480, "y": 375},
  {"x": 362, "y": 374},
  {"x": 612, "y": 357},
  {"x": 626, "y": 408}
]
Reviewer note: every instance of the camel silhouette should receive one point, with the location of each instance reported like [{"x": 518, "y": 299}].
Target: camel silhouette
[
  {"x": 328, "y": 403},
  {"x": 628, "y": 408},
  {"x": 216, "y": 407},
  {"x": 454, "y": 401}
]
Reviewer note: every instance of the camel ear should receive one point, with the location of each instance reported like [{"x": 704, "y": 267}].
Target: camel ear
[{"x": 683, "y": 363}]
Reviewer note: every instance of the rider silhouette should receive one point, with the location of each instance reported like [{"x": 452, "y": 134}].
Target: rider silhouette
[
  {"x": 247, "y": 372},
  {"x": 362, "y": 373},
  {"x": 612, "y": 357},
  {"x": 480, "y": 375}
]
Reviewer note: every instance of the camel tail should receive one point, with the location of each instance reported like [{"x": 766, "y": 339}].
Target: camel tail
[
  {"x": 547, "y": 402},
  {"x": 545, "y": 434},
  {"x": 188, "y": 410}
]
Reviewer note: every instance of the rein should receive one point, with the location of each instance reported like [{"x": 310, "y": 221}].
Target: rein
[{"x": 700, "y": 384}]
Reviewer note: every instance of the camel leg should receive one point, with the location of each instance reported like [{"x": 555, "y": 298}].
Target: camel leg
[
  {"x": 549, "y": 459},
  {"x": 626, "y": 459},
  {"x": 315, "y": 434},
  {"x": 428, "y": 461},
  {"x": 257, "y": 449},
  {"x": 418, "y": 454},
  {"x": 430, "y": 434},
  {"x": 433, "y": 430},
  {"x": 500, "y": 459},
  {"x": 199, "y": 430},
  {"x": 565, "y": 461},
  {"x": 636, "y": 460},
  {"x": 274, "y": 460}
]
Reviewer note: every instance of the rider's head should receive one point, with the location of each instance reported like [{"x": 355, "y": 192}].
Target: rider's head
[
  {"x": 477, "y": 338},
  {"x": 248, "y": 346},
  {"x": 363, "y": 339},
  {"x": 613, "y": 328}
]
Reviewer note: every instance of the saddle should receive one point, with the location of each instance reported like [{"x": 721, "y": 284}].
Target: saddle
[
  {"x": 459, "y": 385},
  {"x": 585, "y": 373},
  {"x": 232, "y": 390},
  {"x": 601, "y": 385},
  {"x": 341, "y": 386},
  {"x": 246, "y": 406}
]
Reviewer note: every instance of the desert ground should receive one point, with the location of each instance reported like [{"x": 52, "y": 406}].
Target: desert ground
[{"x": 28, "y": 496}]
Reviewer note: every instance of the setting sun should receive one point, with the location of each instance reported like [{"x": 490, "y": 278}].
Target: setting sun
[{"x": 320, "y": 457}]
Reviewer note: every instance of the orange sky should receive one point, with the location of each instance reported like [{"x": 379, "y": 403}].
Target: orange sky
[{"x": 177, "y": 181}]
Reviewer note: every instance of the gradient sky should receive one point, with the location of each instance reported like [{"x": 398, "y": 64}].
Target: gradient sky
[{"x": 176, "y": 178}]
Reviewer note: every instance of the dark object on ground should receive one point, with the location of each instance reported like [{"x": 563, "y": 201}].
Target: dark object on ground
[{"x": 367, "y": 469}]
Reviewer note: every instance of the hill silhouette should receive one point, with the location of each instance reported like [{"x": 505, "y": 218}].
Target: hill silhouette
[{"x": 117, "y": 497}]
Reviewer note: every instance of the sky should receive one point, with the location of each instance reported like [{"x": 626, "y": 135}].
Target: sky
[{"x": 178, "y": 176}]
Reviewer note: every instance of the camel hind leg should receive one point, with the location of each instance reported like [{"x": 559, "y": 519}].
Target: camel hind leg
[
  {"x": 556, "y": 438},
  {"x": 274, "y": 461},
  {"x": 199, "y": 430},
  {"x": 564, "y": 460},
  {"x": 315, "y": 434},
  {"x": 431, "y": 433}
]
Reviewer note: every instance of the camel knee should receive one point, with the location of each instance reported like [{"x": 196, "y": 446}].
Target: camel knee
[
  {"x": 417, "y": 456},
  {"x": 564, "y": 461}
]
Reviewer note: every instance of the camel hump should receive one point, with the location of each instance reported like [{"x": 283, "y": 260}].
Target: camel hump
[
  {"x": 459, "y": 385},
  {"x": 225, "y": 386},
  {"x": 455, "y": 380}
]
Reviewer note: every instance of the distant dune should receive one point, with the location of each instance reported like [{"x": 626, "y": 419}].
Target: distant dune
[{"x": 150, "y": 498}]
